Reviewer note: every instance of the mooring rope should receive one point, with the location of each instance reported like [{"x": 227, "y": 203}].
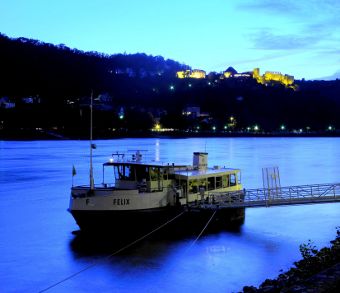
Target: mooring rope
[
  {"x": 174, "y": 266},
  {"x": 205, "y": 227},
  {"x": 109, "y": 256}
]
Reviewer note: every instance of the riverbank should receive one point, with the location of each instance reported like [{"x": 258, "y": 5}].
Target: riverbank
[
  {"x": 318, "y": 271},
  {"x": 42, "y": 134}
]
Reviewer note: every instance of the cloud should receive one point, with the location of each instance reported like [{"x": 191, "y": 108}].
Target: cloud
[
  {"x": 268, "y": 5},
  {"x": 260, "y": 59},
  {"x": 302, "y": 24},
  {"x": 314, "y": 14},
  {"x": 330, "y": 52},
  {"x": 334, "y": 76},
  {"x": 292, "y": 7},
  {"x": 255, "y": 61},
  {"x": 266, "y": 40}
]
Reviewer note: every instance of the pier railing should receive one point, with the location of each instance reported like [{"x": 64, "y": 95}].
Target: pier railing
[{"x": 302, "y": 194}]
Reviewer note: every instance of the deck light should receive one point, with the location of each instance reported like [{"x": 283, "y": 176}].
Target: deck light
[
  {"x": 256, "y": 128},
  {"x": 283, "y": 127},
  {"x": 330, "y": 128}
]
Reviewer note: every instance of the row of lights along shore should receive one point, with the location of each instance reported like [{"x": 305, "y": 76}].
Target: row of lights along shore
[{"x": 255, "y": 128}]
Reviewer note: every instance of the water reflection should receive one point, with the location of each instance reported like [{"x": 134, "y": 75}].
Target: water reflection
[
  {"x": 157, "y": 151},
  {"x": 38, "y": 249},
  {"x": 108, "y": 242}
]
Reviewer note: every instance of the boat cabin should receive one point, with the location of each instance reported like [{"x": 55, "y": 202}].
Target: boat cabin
[
  {"x": 144, "y": 177},
  {"x": 191, "y": 182}
]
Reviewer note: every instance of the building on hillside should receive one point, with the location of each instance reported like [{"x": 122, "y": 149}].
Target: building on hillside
[
  {"x": 195, "y": 73},
  {"x": 229, "y": 72},
  {"x": 192, "y": 111},
  {"x": 6, "y": 103},
  {"x": 244, "y": 75},
  {"x": 31, "y": 100},
  {"x": 274, "y": 77},
  {"x": 232, "y": 73},
  {"x": 102, "y": 102}
]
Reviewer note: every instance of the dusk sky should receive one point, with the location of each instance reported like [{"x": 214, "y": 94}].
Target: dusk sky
[{"x": 301, "y": 38}]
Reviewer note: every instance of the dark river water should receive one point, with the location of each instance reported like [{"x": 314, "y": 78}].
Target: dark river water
[{"x": 38, "y": 248}]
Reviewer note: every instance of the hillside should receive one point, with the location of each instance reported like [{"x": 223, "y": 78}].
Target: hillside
[{"x": 50, "y": 88}]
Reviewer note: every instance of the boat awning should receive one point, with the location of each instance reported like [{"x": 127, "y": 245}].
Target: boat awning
[
  {"x": 152, "y": 164},
  {"x": 200, "y": 174}
]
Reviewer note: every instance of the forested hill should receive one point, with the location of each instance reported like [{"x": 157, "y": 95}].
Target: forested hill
[
  {"x": 30, "y": 67},
  {"x": 46, "y": 86}
]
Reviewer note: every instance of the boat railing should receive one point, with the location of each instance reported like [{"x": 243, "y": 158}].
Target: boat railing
[
  {"x": 300, "y": 192},
  {"x": 275, "y": 196},
  {"x": 96, "y": 186},
  {"x": 111, "y": 186}
]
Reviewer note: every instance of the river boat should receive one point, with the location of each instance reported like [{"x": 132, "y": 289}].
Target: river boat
[
  {"x": 142, "y": 195},
  {"x": 135, "y": 193}
]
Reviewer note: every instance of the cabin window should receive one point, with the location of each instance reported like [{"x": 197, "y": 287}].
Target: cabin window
[
  {"x": 124, "y": 172},
  {"x": 127, "y": 172},
  {"x": 119, "y": 172},
  {"x": 218, "y": 182},
  {"x": 142, "y": 173},
  {"x": 165, "y": 174},
  {"x": 171, "y": 176},
  {"x": 154, "y": 173},
  {"x": 225, "y": 181},
  {"x": 211, "y": 183},
  {"x": 193, "y": 186},
  {"x": 232, "y": 179}
]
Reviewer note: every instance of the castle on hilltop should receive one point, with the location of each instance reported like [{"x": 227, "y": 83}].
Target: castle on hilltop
[{"x": 268, "y": 78}]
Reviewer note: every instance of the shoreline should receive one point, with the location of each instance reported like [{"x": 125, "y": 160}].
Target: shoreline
[
  {"x": 317, "y": 271},
  {"x": 29, "y": 134}
]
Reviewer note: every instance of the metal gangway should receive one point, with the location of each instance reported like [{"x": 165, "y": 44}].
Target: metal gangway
[{"x": 266, "y": 197}]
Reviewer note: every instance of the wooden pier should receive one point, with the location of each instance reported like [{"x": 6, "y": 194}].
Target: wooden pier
[{"x": 265, "y": 197}]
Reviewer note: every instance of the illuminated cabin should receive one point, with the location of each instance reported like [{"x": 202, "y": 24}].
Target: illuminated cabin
[{"x": 195, "y": 73}]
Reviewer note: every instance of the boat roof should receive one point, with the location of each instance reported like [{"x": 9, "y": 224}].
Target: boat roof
[
  {"x": 147, "y": 164},
  {"x": 205, "y": 173}
]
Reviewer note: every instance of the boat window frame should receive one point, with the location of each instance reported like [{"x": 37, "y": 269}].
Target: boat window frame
[{"x": 233, "y": 180}]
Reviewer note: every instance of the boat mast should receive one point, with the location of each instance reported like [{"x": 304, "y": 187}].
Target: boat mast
[{"x": 91, "y": 145}]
